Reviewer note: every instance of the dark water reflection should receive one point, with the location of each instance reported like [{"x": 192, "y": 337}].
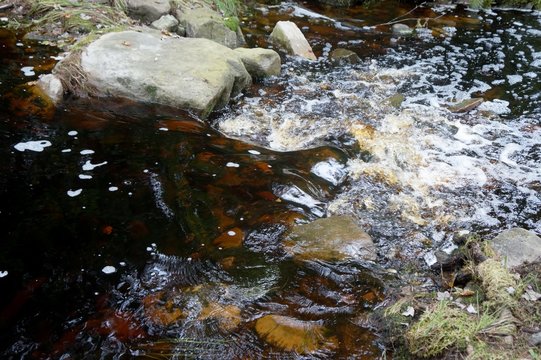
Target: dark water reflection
[{"x": 118, "y": 237}]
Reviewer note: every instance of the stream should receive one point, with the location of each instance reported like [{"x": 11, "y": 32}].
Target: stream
[{"x": 131, "y": 230}]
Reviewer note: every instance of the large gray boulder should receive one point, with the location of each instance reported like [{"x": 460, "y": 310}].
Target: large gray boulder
[
  {"x": 288, "y": 36},
  {"x": 330, "y": 239},
  {"x": 260, "y": 63},
  {"x": 517, "y": 246},
  {"x": 196, "y": 74},
  {"x": 148, "y": 10},
  {"x": 206, "y": 23}
]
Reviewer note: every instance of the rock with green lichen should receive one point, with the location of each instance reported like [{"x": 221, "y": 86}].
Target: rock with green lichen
[{"x": 206, "y": 23}]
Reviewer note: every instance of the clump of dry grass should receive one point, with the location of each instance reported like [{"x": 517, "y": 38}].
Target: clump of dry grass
[{"x": 443, "y": 327}]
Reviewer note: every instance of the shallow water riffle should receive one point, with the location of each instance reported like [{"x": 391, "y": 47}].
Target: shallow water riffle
[{"x": 426, "y": 165}]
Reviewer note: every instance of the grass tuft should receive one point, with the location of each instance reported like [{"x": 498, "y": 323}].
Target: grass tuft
[{"x": 444, "y": 327}]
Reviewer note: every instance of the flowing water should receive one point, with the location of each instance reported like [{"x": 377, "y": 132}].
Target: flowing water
[{"x": 137, "y": 231}]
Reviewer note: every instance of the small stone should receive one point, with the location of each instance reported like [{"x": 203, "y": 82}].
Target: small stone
[
  {"x": 508, "y": 340},
  {"x": 289, "y": 37},
  {"x": 148, "y": 11},
  {"x": 401, "y": 29},
  {"x": 166, "y": 22},
  {"x": 466, "y": 105},
  {"x": 52, "y": 87},
  {"x": 396, "y": 100},
  {"x": 535, "y": 339},
  {"x": 341, "y": 56}
]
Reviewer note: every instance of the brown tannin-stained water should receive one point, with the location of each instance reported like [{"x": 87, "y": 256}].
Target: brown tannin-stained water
[{"x": 137, "y": 231}]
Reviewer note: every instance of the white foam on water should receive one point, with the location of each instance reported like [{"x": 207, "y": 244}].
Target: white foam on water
[
  {"x": 37, "y": 146},
  {"x": 28, "y": 71},
  {"x": 514, "y": 79},
  {"x": 87, "y": 152},
  {"x": 330, "y": 170},
  {"x": 3, "y": 274},
  {"x": 89, "y": 166},
  {"x": 72, "y": 133},
  {"x": 296, "y": 195},
  {"x": 498, "y": 107},
  {"x": 108, "y": 269},
  {"x": 74, "y": 193},
  {"x": 85, "y": 177},
  {"x": 232, "y": 165},
  {"x": 254, "y": 152},
  {"x": 113, "y": 188}
]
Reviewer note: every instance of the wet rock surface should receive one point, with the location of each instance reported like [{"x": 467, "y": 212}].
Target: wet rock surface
[
  {"x": 195, "y": 74},
  {"x": 517, "y": 246},
  {"x": 331, "y": 239},
  {"x": 52, "y": 86},
  {"x": 288, "y": 36},
  {"x": 291, "y": 334},
  {"x": 341, "y": 56}
]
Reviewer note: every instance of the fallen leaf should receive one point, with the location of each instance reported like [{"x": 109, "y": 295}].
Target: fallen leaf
[{"x": 467, "y": 292}]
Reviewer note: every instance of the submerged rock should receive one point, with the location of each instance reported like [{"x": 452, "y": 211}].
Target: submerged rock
[
  {"x": 292, "y": 334},
  {"x": 52, "y": 87},
  {"x": 260, "y": 63},
  {"x": 517, "y": 246},
  {"x": 166, "y": 22},
  {"x": 196, "y": 74},
  {"x": 333, "y": 238},
  {"x": 148, "y": 11},
  {"x": 344, "y": 56},
  {"x": 289, "y": 37},
  {"x": 206, "y": 23}
]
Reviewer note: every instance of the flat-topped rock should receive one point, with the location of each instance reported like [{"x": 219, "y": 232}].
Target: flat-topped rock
[
  {"x": 517, "y": 246},
  {"x": 333, "y": 239},
  {"x": 195, "y": 74}
]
